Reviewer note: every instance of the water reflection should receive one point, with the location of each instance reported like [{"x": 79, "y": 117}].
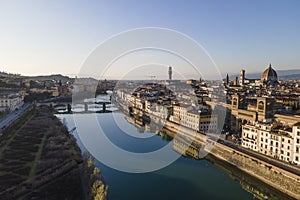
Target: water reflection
[
  {"x": 191, "y": 150},
  {"x": 188, "y": 178}
]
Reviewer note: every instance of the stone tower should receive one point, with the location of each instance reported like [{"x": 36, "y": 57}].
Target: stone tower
[
  {"x": 242, "y": 77},
  {"x": 227, "y": 80},
  {"x": 170, "y": 73}
]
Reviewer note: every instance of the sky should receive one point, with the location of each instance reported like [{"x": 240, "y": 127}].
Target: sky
[{"x": 58, "y": 36}]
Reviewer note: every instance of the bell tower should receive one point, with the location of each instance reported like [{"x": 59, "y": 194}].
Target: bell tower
[
  {"x": 242, "y": 77},
  {"x": 170, "y": 73},
  {"x": 264, "y": 108},
  {"x": 235, "y": 101}
]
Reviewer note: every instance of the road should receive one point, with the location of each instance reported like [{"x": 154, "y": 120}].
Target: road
[
  {"x": 270, "y": 160},
  {"x": 11, "y": 117}
]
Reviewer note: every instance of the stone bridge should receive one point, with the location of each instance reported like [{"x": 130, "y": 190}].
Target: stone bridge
[{"x": 68, "y": 105}]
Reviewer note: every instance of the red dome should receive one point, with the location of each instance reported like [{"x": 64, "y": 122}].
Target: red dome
[{"x": 269, "y": 74}]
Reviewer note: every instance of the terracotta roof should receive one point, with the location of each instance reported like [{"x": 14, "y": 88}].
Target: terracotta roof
[{"x": 269, "y": 74}]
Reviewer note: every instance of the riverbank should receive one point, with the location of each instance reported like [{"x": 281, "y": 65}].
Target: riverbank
[
  {"x": 41, "y": 160},
  {"x": 278, "y": 175},
  {"x": 258, "y": 188}
]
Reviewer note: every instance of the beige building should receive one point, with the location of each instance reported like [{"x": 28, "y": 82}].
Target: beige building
[
  {"x": 194, "y": 119},
  {"x": 287, "y": 120},
  {"x": 243, "y": 113},
  {"x": 53, "y": 90}
]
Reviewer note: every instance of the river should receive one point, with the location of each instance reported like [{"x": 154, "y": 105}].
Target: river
[{"x": 186, "y": 178}]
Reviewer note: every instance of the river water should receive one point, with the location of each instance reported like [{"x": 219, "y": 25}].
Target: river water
[{"x": 186, "y": 178}]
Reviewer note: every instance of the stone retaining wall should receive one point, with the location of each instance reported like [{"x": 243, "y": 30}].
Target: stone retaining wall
[{"x": 278, "y": 178}]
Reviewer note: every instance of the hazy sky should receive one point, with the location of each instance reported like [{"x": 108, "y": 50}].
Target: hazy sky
[{"x": 56, "y": 36}]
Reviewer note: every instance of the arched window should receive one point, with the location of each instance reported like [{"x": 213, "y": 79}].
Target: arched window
[
  {"x": 261, "y": 105},
  {"x": 234, "y": 101}
]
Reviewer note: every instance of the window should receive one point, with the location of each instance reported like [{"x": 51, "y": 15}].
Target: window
[
  {"x": 296, "y": 158},
  {"x": 288, "y": 153},
  {"x": 298, "y": 141},
  {"x": 261, "y": 106},
  {"x": 297, "y": 149},
  {"x": 282, "y": 139}
]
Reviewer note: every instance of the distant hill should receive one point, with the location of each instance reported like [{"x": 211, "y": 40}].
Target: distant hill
[
  {"x": 56, "y": 77},
  {"x": 293, "y": 74},
  {"x": 49, "y": 77},
  {"x": 87, "y": 80},
  {"x": 290, "y": 77},
  {"x": 11, "y": 75}
]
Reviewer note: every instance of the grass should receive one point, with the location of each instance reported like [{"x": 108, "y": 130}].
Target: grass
[
  {"x": 37, "y": 157},
  {"x": 16, "y": 156},
  {"x": 38, "y": 150},
  {"x": 2, "y": 115},
  {"x": 11, "y": 132}
]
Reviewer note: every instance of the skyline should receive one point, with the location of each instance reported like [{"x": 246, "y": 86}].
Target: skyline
[{"x": 57, "y": 37}]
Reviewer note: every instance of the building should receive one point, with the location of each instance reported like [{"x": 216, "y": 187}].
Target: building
[
  {"x": 242, "y": 77},
  {"x": 10, "y": 102},
  {"x": 227, "y": 81},
  {"x": 170, "y": 73},
  {"x": 273, "y": 140},
  {"x": 296, "y": 149},
  {"x": 245, "y": 110},
  {"x": 269, "y": 75},
  {"x": 53, "y": 91},
  {"x": 63, "y": 90},
  {"x": 287, "y": 120},
  {"x": 235, "y": 81},
  {"x": 197, "y": 119},
  {"x": 293, "y": 102}
]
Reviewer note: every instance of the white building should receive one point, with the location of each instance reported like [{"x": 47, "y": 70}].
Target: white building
[
  {"x": 296, "y": 149},
  {"x": 277, "y": 141},
  {"x": 10, "y": 102}
]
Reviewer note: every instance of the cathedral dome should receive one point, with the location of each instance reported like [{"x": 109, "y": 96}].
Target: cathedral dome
[{"x": 269, "y": 74}]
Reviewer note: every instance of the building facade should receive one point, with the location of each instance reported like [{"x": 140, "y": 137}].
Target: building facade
[
  {"x": 280, "y": 142},
  {"x": 198, "y": 120},
  {"x": 10, "y": 102}
]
